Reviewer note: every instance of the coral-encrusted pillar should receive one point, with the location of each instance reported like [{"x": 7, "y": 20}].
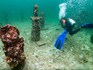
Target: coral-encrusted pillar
[
  {"x": 35, "y": 33},
  {"x": 13, "y": 45}
]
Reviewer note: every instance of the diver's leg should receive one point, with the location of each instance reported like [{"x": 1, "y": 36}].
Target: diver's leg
[{"x": 74, "y": 31}]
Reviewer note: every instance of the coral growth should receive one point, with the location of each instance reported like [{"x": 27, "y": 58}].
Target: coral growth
[
  {"x": 13, "y": 45},
  {"x": 35, "y": 33}
]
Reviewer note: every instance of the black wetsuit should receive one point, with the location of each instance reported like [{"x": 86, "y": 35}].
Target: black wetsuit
[{"x": 69, "y": 27}]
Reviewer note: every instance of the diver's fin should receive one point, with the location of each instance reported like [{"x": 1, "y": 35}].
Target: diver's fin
[
  {"x": 87, "y": 25},
  {"x": 60, "y": 40}
]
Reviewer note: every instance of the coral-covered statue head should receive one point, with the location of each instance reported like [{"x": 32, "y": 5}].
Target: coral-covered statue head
[{"x": 8, "y": 33}]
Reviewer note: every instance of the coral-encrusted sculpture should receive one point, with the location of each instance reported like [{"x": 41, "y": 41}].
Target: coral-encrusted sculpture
[
  {"x": 35, "y": 33},
  {"x": 13, "y": 45}
]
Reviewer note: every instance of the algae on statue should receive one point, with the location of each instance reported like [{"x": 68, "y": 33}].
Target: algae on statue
[{"x": 35, "y": 33}]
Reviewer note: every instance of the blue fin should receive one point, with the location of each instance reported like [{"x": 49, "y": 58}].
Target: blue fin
[
  {"x": 87, "y": 25},
  {"x": 60, "y": 40}
]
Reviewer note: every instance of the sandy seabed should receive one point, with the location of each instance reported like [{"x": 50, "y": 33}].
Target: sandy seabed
[{"x": 77, "y": 52}]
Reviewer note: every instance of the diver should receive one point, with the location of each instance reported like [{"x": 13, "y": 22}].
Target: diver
[{"x": 69, "y": 26}]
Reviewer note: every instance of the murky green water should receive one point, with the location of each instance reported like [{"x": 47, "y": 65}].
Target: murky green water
[
  {"x": 12, "y": 10},
  {"x": 77, "y": 52}
]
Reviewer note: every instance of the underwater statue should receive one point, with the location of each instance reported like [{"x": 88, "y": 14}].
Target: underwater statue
[
  {"x": 42, "y": 21},
  {"x": 69, "y": 26},
  {"x": 13, "y": 46},
  {"x": 35, "y": 33}
]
